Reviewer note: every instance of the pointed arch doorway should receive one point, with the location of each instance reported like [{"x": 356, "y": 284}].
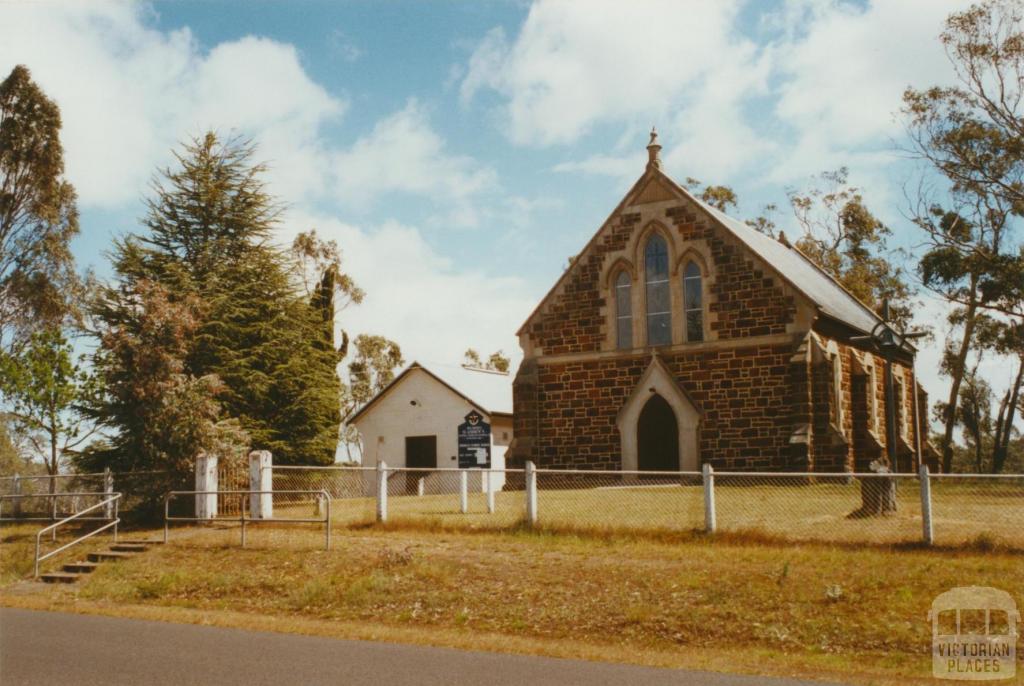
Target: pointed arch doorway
[
  {"x": 657, "y": 437},
  {"x": 658, "y": 424}
]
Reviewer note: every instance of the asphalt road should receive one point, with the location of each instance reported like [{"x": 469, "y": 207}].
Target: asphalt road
[{"x": 47, "y": 648}]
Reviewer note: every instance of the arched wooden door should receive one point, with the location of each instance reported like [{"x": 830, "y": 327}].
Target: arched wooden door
[{"x": 657, "y": 437}]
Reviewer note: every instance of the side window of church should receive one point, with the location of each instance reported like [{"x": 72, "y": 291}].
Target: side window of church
[
  {"x": 693, "y": 303},
  {"x": 623, "y": 311},
  {"x": 838, "y": 416},
  {"x": 902, "y": 425},
  {"x": 873, "y": 399},
  {"x": 659, "y": 316}
]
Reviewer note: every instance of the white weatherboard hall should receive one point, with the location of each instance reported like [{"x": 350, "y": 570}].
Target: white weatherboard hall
[{"x": 414, "y": 423}]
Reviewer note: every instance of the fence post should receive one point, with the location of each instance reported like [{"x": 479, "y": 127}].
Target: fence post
[
  {"x": 463, "y": 491},
  {"x": 17, "y": 491},
  {"x": 531, "y": 493},
  {"x": 206, "y": 480},
  {"x": 421, "y": 486},
  {"x": 382, "y": 491},
  {"x": 261, "y": 505},
  {"x": 926, "y": 505},
  {"x": 490, "y": 492},
  {"x": 709, "y": 498},
  {"x": 108, "y": 491}
]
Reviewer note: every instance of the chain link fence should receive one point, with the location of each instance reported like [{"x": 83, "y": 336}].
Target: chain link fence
[
  {"x": 42, "y": 496},
  {"x": 351, "y": 490},
  {"x": 647, "y": 501},
  {"x": 842, "y": 508},
  {"x": 951, "y": 510},
  {"x": 43, "y": 483},
  {"x": 971, "y": 508}
]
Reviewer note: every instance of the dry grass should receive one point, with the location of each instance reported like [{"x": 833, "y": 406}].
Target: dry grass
[
  {"x": 962, "y": 513},
  {"x": 734, "y": 604}
]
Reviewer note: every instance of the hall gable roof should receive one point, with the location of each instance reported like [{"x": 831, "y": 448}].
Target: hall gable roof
[
  {"x": 488, "y": 391},
  {"x": 791, "y": 265}
]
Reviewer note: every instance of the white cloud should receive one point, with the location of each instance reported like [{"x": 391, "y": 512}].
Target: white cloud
[
  {"x": 578, "y": 64},
  {"x": 624, "y": 166},
  {"x": 418, "y": 297},
  {"x": 844, "y": 75},
  {"x": 343, "y": 46},
  {"x": 823, "y": 78},
  {"x": 129, "y": 93},
  {"x": 404, "y": 154}
]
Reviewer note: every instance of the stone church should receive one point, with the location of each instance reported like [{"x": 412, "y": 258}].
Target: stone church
[{"x": 680, "y": 336}]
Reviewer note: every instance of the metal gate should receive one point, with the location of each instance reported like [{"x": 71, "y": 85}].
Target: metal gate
[{"x": 231, "y": 476}]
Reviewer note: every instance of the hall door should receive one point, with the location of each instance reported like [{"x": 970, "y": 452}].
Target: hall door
[
  {"x": 420, "y": 453},
  {"x": 657, "y": 437}
]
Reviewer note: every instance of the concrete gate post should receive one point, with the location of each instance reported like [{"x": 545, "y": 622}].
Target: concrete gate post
[
  {"x": 206, "y": 480},
  {"x": 261, "y": 478}
]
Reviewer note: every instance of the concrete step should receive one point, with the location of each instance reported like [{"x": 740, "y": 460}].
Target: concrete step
[
  {"x": 59, "y": 577},
  {"x": 80, "y": 567},
  {"x": 108, "y": 555},
  {"x": 126, "y": 547}
]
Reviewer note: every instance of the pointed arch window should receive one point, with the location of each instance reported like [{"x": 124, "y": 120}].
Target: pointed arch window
[
  {"x": 659, "y": 308},
  {"x": 623, "y": 310},
  {"x": 872, "y": 397},
  {"x": 837, "y": 387},
  {"x": 693, "y": 302}
]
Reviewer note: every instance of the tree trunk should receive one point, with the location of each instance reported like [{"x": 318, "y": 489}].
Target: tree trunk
[
  {"x": 954, "y": 387},
  {"x": 1005, "y": 428},
  {"x": 877, "y": 497}
]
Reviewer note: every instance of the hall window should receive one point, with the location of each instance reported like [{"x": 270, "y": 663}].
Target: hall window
[
  {"x": 623, "y": 311},
  {"x": 693, "y": 303},
  {"x": 659, "y": 314}
]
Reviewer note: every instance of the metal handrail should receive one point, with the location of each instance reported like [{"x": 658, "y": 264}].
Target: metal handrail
[
  {"x": 25, "y": 496},
  {"x": 113, "y": 499},
  {"x": 326, "y": 520}
]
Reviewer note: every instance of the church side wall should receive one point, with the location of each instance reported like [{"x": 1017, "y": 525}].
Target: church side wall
[{"x": 862, "y": 438}]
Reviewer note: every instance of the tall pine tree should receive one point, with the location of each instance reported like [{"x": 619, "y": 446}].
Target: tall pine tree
[{"x": 258, "y": 333}]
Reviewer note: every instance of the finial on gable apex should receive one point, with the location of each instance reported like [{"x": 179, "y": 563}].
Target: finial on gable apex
[{"x": 653, "y": 150}]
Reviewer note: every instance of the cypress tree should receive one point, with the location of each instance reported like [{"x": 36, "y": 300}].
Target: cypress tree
[{"x": 258, "y": 333}]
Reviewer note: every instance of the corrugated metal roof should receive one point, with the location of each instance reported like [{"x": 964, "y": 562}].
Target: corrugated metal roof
[
  {"x": 831, "y": 298},
  {"x": 490, "y": 391}
]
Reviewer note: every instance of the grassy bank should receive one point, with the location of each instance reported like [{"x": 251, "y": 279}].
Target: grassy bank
[{"x": 736, "y": 605}]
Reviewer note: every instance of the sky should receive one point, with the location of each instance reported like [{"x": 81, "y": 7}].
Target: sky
[{"x": 460, "y": 152}]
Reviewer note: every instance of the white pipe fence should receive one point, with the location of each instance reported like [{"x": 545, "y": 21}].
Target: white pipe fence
[
  {"x": 939, "y": 509},
  {"x": 829, "y": 507}
]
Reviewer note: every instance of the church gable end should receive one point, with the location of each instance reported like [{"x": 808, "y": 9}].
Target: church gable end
[
  {"x": 741, "y": 296},
  {"x": 678, "y": 329}
]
